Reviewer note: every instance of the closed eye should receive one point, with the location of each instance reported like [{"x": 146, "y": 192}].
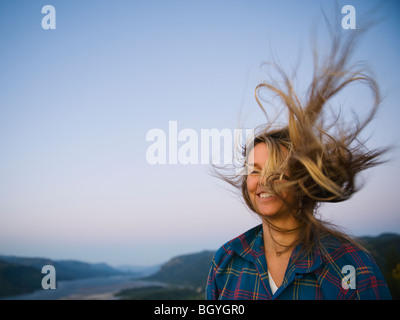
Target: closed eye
[{"x": 253, "y": 170}]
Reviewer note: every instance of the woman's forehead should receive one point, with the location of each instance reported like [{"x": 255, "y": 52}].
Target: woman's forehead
[{"x": 260, "y": 153}]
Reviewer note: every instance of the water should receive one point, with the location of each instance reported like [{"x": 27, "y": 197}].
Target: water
[{"x": 99, "y": 288}]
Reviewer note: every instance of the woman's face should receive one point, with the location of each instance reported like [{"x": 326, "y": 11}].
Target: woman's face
[{"x": 267, "y": 202}]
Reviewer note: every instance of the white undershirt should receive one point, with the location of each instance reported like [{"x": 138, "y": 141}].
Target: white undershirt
[{"x": 272, "y": 283}]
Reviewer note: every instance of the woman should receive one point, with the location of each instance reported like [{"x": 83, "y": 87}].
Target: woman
[{"x": 292, "y": 169}]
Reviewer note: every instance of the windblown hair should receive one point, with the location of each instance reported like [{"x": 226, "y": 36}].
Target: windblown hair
[{"x": 315, "y": 159}]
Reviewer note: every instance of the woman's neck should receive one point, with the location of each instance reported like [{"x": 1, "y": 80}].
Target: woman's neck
[{"x": 280, "y": 234}]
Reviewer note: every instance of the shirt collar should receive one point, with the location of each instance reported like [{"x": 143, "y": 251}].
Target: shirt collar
[{"x": 250, "y": 246}]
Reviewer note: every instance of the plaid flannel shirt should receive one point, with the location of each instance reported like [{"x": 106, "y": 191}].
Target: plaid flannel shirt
[{"x": 239, "y": 272}]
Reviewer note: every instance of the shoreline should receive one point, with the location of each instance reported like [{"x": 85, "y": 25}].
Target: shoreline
[
  {"x": 95, "y": 296},
  {"x": 98, "y": 288}
]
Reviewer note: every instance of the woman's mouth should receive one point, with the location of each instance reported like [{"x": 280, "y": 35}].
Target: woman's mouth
[{"x": 266, "y": 196}]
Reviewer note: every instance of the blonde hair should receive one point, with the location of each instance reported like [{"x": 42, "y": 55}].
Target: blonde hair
[{"x": 321, "y": 158}]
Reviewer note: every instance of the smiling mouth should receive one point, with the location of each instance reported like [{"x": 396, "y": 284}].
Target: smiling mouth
[{"x": 265, "y": 195}]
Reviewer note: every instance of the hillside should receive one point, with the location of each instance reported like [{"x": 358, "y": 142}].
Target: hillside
[
  {"x": 16, "y": 279},
  {"x": 186, "y": 270},
  {"x": 184, "y": 278},
  {"x": 20, "y": 275},
  {"x": 385, "y": 249}
]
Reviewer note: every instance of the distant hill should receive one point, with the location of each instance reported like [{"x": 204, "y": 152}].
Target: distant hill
[
  {"x": 382, "y": 247},
  {"x": 20, "y": 275},
  {"x": 143, "y": 271},
  {"x": 189, "y": 270},
  {"x": 385, "y": 248},
  {"x": 185, "y": 276},
  {"x": 17, "y": 279}
]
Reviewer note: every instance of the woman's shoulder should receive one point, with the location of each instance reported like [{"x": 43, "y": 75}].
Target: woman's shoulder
[
  {"x": 241, "y": 245},
  {"x": 348, "y": 259},
  {"x": 340, "y": 250}
]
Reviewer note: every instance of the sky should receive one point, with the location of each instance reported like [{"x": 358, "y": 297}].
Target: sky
[{"x": 79, "y": 102}]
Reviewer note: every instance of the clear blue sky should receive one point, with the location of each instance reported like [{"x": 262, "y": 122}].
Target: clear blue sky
[{"x": 77, "y": 102}]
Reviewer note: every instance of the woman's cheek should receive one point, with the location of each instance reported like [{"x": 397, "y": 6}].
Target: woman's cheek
[{"x": 252, "y": 182}]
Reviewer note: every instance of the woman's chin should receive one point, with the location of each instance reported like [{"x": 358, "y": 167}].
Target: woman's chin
[
  {"x": 267, "y": 214},
  {"x": 270, "y": 207}
]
